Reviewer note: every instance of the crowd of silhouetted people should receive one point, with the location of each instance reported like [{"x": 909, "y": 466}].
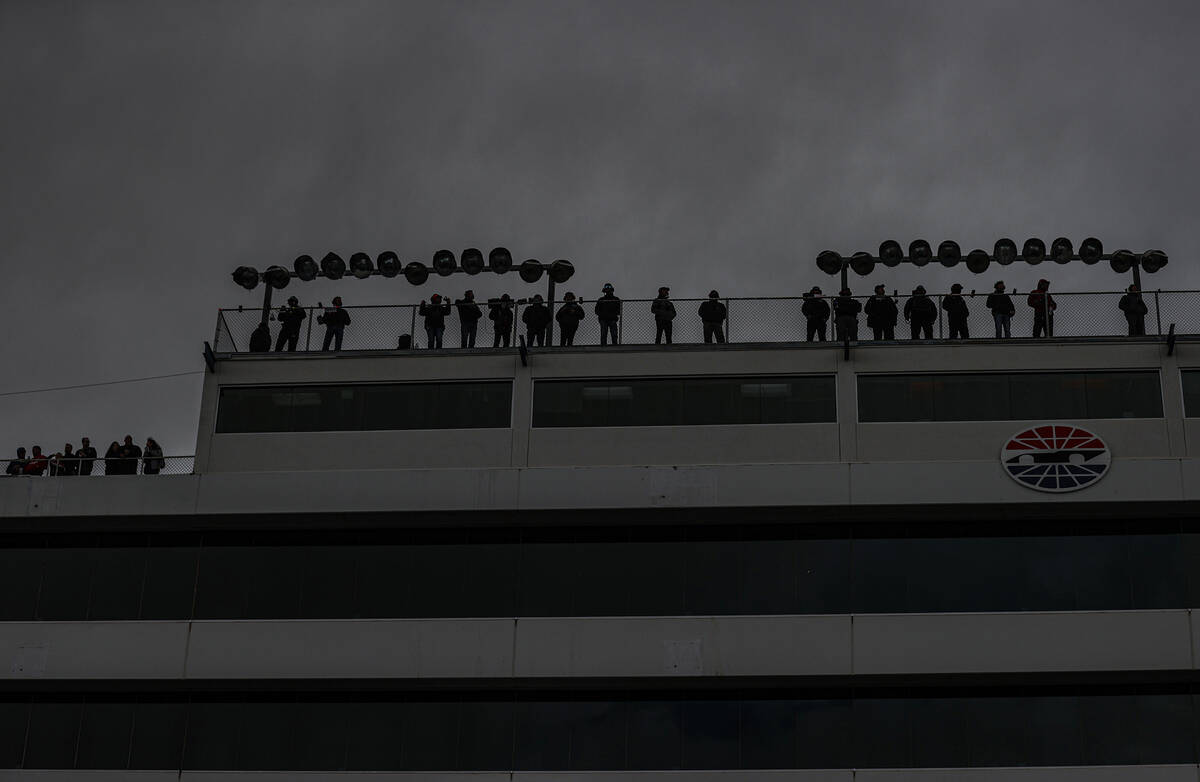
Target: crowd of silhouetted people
[
  {"x": 125, "y": 458},
  {"x": 920, "y": 312}
]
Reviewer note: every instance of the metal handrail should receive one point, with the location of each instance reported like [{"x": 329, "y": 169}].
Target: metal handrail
[{"x": 100, "y": 466}]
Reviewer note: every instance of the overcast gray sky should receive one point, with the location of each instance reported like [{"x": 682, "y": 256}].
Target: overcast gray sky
[{"x": 148, "y": 148}]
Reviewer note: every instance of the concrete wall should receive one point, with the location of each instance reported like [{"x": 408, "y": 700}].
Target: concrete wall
[{"x": 602, "y": 647}]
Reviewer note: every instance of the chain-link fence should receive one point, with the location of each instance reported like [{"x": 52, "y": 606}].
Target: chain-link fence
[
  {"x": 749, "y": 320},
  {"x": 56, "y": 465}
]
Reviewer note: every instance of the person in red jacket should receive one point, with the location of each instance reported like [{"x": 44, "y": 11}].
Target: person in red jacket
[
  {"x": 37, "y": 462},
  {"x": 1043, "y": 310}
]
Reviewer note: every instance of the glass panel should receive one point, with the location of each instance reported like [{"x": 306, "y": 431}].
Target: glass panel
[
  {"x": 544, "y": 735},
  {"x": 971, "y": 398},
  {"x": 382, "y": 581},
  {"x": 117, "y": 579},
  {"x": 714, "y": 577},
  {"x": 716, "y": 401},
  {"x": 266, "y": 738},
  {"x": 254, "y": 410},
  {"x": 14, "y": 718},
  {"x": 474, "y": 406},
  {"x": 213, "y": 734},
  {"x": 170, "y": 583},
  {"x": 1109, "y": 725},
  {"x": 158, "y": 735},
  {"x": 824, "y": 731},
  {"x": 104, "y": 735},
  {"x": 53, "y": 731},
  {"x": 823, "y": 576},
  {"x": 996, "y": 731},
  {"x": 710, "y": 734},
  {"x": 66, "y": 584},
  {"x": 485, "y": 736},
  {"x": 373, "y": 733},
  {"x": 326, "y": 409},
  {"x": 769, "y": 577},
  {"x": 768, "y": 734},
  {"x": 1163, "y": 729},
  {"x": 895, "y": 398},
  {"x": 319, "y": 735},
  {"x": 223, "y": 580},
  {"x": 1191, "y": 393},
  {"x": 598, "y": 735},
  {"x": 273, "y": 583},
  {"x": 655, "y": 735},
  {"x": 398, "y": 406},
  {"x": 1048, "y": 396},
  {"x": 1054, "y": 731},
  {"x": 327, "y": 581},
  {"x": 547, "y": 572},
  {"x": 20, "y": 579},
  {"x": 430, "y": 736},
  {"x": 939, "y": 732},
  {"x": 656, "y": 576},
  {"x": 1123, "y": 395},
  {"x": 881, "y": 733}
]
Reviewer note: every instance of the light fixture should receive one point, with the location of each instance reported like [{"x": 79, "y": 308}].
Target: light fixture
[
  {"x": 306, "y": 268},
  {"x": 531, "y": 270},
  {"x": 1061, "y": 250},
  {"x": 1090, "y": 250},
  {"x": 1005, "y": 251},
  {"x": 443, "y": 262},
  {"x": 919, "y": 252},
  {"x": 332, "y": 266},
  {"x": 1034, "y": 251},
  {"x": 388, "y": 263},
  {"x": 361, "y": 265},
  {"x": 277, "y": 277},
  {"x": 862, "y": 264},
  {"x": 978, "y": 261},
  {"x": 890, "y": 253},
  {"x": 416, "y": 273},
  {"x": 829, "y": 262},
  {"x": 246, "y": 276},
  {"x": 561, "y": 270},
  {"x": 949, "y": 253},
  {"x": 1153, "y": 260},
  {"x": 471, "y": 261},
  {"x": 500, "y": 260},
  {"x": 1122, "y": 261}
]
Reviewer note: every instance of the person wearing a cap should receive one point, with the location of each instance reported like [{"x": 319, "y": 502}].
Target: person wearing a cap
[
  {"x": 501, "y": 314},
  {"x": 435, "y": 313},
  {"x": 712, "y": 316},
  {"x": 956, "y": 312},
  {"x": 845, "y": 315},
  {"x": 336, "y": 320},
  {"x": 1043, "y": 310},
  {"x": 536, "y": 318},
  {"x": 664, "y": 312},
  {"x": 921, "y": 313},
  {"x": 1002, "y": 309},
  {"x": 290, "y": 318},
  {"x": 608, "y": 312},
  {"x": 468, "y": 318},
  {"x": 568, "y": 317},
  {"x": 816, "y": 313},
  {"x": 882, "y": 314},
  {"x": 1135, "y": 311}
]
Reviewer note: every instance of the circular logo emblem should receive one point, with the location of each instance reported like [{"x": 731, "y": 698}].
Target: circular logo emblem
[{"x": 1055, "y": 458}]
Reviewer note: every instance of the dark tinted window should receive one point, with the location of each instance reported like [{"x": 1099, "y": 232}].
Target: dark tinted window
[
  {"x": 684, "y": 401},
  {"x": 1009, "y": 397},
  {"x": 366, "y": 407},
  {"x": 53, "y": 734},
  {"x": 104, "y": 735},
  {"x": 1191, "y": 392}
]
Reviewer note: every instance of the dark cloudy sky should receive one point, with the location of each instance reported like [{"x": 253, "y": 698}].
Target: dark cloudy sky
[{"x": 147, "y": 148}]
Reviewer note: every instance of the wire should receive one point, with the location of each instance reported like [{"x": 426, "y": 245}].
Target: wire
[{"x": 105, "y": 383}]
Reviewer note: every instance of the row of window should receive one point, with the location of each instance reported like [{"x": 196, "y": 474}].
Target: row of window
[
  {"x": 499, "y": 732},
  {"x": 699, "y": 401},
  {"x": 598, "y": 572}
]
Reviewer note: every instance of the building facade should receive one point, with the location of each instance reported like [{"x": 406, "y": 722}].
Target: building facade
[{"x": 764, "y": 562}]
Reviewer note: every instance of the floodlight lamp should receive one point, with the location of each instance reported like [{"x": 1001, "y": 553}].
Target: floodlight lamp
[
  {"x": 361, "y": 265},
  {"x": 1090, "y": 250},
  {"x": 500, "y": 260},
  {"x": 862, "y": 264},
  {"x": 388, "y": 263},
  {"x": 471, "y": 261},
  {"x": 531, "y": 270},
  {"x": 1034, "y": 251},
  {"x": 416, "y": 273},
  {"x": 561, "y": 270},
  {"x": 277, "y": 277},
  {"x": 919, "y": 252},
  {"x": 829, "y": 262},
  {"x": 306, "y": 268},
  {"x": 333, "y": 266},
  {"x": 890, "y": 253},
  {"x": 1005, "y": 251},
  {"x": 1122, "y": 261},
  {"x": 1153, "y": 260},
  {"x": 1061, "y": 250},
  {"x": 443, "y": 263},
  {"x": 978, "y": 261},
  {"x": 246, "y": 276},
  {"x": 949, "y": 253}
]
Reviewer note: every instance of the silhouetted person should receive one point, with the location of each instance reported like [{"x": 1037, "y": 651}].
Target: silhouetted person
[
  {"x": 64, "y": 462},
  {"x": 882, "y": 313},
  {"x": 1135, "y": 311},
  {"x": 112, "y": 459},
  {"x": 336, "y": 320},
  {"x": 608, "y": 312},
  {"x": 816, "y": 314},
  {"x": 568, "y": 316},
  {"x": 712, "y": 317},
  {"x": 434, "y": 313},
  {"x": 956, "y": 312},
  {"x": 920, "y": 312},
  {"x": 1043, "y": 310},
  {"x": 501, "y": 314},
  {"x": 536, "y": 318},
  {"x": 260, "y": 339},
  {"x": 38, "y": 462},
  {"x": 468, "y": 317},
  {"x": 152, "y": 461},
  {"x": 87, "y": 456},
  {"x": 17, "y": 466},
  {"x": 129, "y": 454},
  {"x": 845, "y": 314},
  {"x": 1002, "y": 309},
  {"x": 664, "y": 312},
  {"x": 290, "y": 318}
]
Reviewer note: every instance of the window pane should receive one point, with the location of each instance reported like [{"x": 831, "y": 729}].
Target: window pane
[
  {"x": 1163, "y": 734},
  {"x": 472, "y": 406},
  {"x": 656, "y": 578},
  {"x": 1048, "y": 396},
  {"x": 598, "y": 735},
  {"x": 14, "y": 718},
  {"x": 104, "y": 735},
  {"x": 254, "y": 410},
  {"x": 383, "y": 581},
  {"x": 430, "y": 736},
  {"x": 939, "y": 732},
  {"x": 485, "y": 736},
  {"x": 265, "y": 741},
  {"x": 1054, "y": 731},
  {"x": 716, "y": 401},
  {"x": 273, "y": 583},
  {"x": 214, "y": 729},
  {"x": 768, "y": 734},
  {"x": 543, "y": 737},
  {"x": 881, "y": 733},
  {"x": 823, "y": 577},
  {"x": 326, "y": 409},
  {"x": 327, "y": 581},
  {"x": 318, "y": 740},
  {"x": 374, "y": 736},
  {"x": 1191, "y": 393},
  {"x": 895, "y": 398},
  {"x": 222, "y": 581},
  {"x": 170, "y": 583},
  {"x": 117, "y": 583},
  {"x": 397, "y": 406},
  {"x": 713, "y": 577},
  {"x": 971, "y": 398},
  {"x": 769, "y": 576},
  {"x": 655, "y": 735},
  {"x": 710, "y": 734},
  {"x": 158, "y": 735},
  {"x": 20, "y": 579},
  {"x": 1123, "y": 395},
  {"x": 66, "y": 584},
  {"x": 53, "y": 730},
  {"x": 996, "y": 731},
  {"x": 824, "y": 732}
]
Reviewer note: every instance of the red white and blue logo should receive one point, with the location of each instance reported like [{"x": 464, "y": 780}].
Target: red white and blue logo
[{"x": 1055, "y": 458}]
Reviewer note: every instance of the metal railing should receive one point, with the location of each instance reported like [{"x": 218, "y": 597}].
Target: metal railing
[
  {"x": 750, "y": 320},
  {"x": 54, "y": 466}
]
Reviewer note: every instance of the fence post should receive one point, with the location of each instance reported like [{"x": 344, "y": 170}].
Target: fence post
[
  {"x": 308, "y": 336},
  {"x": 412, "y": 326},
  {"x": 729, "y": 320},
  {"x": 941, "y": 334},
  {"x": 1157, "y": 313}
]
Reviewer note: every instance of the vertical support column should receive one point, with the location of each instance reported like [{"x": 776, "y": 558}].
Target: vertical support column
[
  {"x": 550, "y": 304},
  {"x": 308, "y": 336},
  {"x": 266, "y": 313},
  {"x": 1158, "y": 314}
]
